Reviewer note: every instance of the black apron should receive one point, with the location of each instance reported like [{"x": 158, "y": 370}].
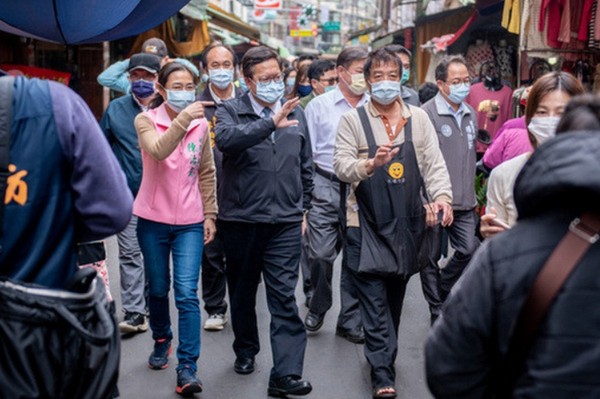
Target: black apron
[{"x": 390, "y": 210}]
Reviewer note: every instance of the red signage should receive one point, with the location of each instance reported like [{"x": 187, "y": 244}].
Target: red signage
[
  {"x": 267, "y": 4},
  {"x": 34, "y": 72}
]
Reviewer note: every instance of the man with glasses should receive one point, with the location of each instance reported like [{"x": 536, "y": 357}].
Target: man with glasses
[
  {"x": 324, "y": 225},
  {"x": 117, "y": 124},
  {"x": 456, "y": 126},
  {"x": 264, "y": 194},
  {"x": 323, "y": 77}
]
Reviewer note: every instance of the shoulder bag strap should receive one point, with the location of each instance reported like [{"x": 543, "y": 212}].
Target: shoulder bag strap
[
  {"x": 6, "y": 100},
  {"x": 583, "y": 232}
]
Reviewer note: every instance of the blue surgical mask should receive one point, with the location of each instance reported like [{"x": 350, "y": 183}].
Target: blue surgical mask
[
  {"x": 330, "y": 88},
  {"x": 270, "y": 92},
  {"x": 405, "y": 76},
  {"x": 221, "y": 78},
  {"x": 242, "y": 84},
  {"x": 304, "y": 90},
  {"x": 459, "y": 92},
  {"x": 142, "y": 88},
  {"x": 290, "y": 82},
  {"x": 178, "y": 100},
  {"x": 204, "y": 78},
  {"x": 385, "y": 92}
]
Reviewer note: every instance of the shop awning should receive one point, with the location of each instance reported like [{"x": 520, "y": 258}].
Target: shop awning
[
  {"x": 365, "y": 31},
  {"x": 483, "y": 23},
  {"x": 231, "y": 22}
]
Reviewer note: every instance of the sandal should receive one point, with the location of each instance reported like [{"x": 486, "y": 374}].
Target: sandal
[{"x": 384, "y": 392}]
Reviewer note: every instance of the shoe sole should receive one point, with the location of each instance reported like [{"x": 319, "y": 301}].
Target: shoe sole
[
  {"x": 189, "y": 389},
  {"x": 282, "y": 393},
  {"x": 214, "y": 328},
  {"x": 244, "y": 372},
  {"x": 315, "y": 328},
  {"x": 128, "y": 329}
]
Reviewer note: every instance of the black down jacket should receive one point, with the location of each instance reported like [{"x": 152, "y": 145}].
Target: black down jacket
[{"x": 560, "y": 181}]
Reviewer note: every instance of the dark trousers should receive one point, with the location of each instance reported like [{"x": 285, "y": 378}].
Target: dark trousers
[
  {"x": 324, "y": 244},
  {"x": 464, "y": 241},
  {"x": 380, "y": 300},
  {"x": 274, "y": 251},
  {"x": 429, "y": 255},
  {"x": 214, "y": 280}
]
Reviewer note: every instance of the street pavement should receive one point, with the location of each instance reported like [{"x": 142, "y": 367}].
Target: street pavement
[{"x": 336, "y": 368}]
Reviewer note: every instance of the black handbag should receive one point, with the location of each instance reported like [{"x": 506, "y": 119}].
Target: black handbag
[{"x": 54, "y": 343}]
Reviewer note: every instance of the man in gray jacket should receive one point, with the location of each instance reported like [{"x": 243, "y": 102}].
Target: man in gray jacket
[
  {"x": 456, "y": 125},
  {"x": 263, "y": 194}
]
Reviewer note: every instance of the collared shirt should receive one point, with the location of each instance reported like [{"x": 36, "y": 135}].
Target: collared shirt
[
  {"x": 323, "y": 116},
  {"x": 445, "y": 108},
  {"x": 259, "y": 108},
  {"x": 217, "y": 99}
]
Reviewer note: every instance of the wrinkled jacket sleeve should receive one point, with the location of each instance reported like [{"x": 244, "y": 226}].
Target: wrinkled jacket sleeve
[
  {"x": 233, "y": 136},
  {"x": 494, "y": 195},
  {"x": 306, "y": 162},
  {"x": 102, "y": 199},
  {"x": 115, "y": 77},
  {"x": 347, "y": 165},
  {"x": 495, "y": 153},
  {"x": 457, "y": 352}
]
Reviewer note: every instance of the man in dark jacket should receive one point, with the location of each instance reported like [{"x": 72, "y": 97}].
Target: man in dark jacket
[
  {"x": 265, "y": 189},
  {"x": 470, "y": 339},
  {"x": 219, "y": 62}
]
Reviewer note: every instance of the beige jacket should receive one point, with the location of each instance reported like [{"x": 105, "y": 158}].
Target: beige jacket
[{"x": 351, "y": 153}]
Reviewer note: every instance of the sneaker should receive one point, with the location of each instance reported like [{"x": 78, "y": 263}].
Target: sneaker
[
  {"x": 187, "y": 382},
  {"x": 159, "y": 358},
  {"x": 133, "y": 323},
  {"x": 215, "y": 322}
]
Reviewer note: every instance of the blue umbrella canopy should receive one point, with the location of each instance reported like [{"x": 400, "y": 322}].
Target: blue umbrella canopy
[{"x": 84, "y": 21}]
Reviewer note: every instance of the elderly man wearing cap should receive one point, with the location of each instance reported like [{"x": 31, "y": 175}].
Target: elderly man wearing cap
[
  {"x": 115, "y": 76},
  {"x": 117, "y": 124}
]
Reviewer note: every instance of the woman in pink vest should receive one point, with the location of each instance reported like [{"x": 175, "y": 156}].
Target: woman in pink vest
[{"x": 176, "y": 207}]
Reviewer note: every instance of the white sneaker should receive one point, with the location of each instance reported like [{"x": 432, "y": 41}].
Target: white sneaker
[{"x": 215, "y": 322}]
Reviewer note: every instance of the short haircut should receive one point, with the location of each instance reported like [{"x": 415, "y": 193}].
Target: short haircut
[
  {"x": 398, "y": 48},
  {"x": 257, "y": 55},
  {"x": 581, "y": 113},
  {"x": 163, "y": 78},
  {"x": 318, "y": 68},
  {"x": 382, "y": 56},
  {"x": 351, "y": 54},
  {"x": 441, "y": 70},
  {"x": 215, "y": 44}
]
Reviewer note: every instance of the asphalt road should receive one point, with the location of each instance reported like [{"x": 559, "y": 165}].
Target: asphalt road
[{"x": 336, "y": 368}]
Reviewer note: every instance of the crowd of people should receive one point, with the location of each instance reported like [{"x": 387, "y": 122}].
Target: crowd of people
[{"x": 272, "y": 169}]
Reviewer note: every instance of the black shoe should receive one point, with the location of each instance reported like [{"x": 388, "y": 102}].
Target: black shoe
[
  {"x": 356, "y": 335},
  {"x": 133, "y": 323},
  {"x": 159, "y": 358},
  {"x": 244, "y": 365},
  {"x": 308, "y": 300},
  {"x": 288, "y": 385},
  {"x": 313, "y": 321}
]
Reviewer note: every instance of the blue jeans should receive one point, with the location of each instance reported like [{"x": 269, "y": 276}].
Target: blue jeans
[{"x": 184, "y": 243}]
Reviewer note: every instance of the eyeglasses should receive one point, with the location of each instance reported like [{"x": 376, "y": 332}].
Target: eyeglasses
[
  {"x": 466, "y": 81},
  {"x": 330, "y": 81},
  {"x": 269, "y": 79}
]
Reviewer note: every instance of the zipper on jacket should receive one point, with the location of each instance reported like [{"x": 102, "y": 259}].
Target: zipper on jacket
[{"x": 273, "y": 180}]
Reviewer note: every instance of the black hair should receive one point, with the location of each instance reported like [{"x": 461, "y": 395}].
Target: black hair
[
  {"x": 257, "y": 55},
  {"x": 581, "y": 113},
  {"x": 318, "y": 68},
  {"x": 398, "y": 48},
  {"x": 163, "y": 78},
  {"x": 441, "y": 70},
  {"x": 304, "y": 57},
  {"x": 351, "y": 54},
  {"x": 382, "y": 56}
]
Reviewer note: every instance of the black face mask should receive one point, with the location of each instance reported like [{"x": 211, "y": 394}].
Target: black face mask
[{"x": 492, "y": 82}]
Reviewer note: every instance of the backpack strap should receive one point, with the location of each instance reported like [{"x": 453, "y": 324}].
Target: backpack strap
[{"x": 6, "y": 105}]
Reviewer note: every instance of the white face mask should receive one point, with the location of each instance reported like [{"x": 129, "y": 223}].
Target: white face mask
[{"x": 543, "y": 128}]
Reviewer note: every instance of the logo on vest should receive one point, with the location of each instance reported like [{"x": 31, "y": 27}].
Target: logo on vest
[
  {"x": 396, "y": 171},
  {"x": 16, "y": 188},
  {"x": 446, "y": 131}
]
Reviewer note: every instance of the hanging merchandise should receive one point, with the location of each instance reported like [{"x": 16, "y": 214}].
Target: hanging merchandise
[{"x": 477, "y": 54}]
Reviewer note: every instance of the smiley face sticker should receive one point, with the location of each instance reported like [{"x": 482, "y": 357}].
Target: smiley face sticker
[{"x": 396, "y": 170}]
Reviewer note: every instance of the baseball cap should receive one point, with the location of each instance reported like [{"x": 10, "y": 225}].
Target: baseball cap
[
  {"x": 155, "y": 46},
  {"x": 148, "y": 62}
]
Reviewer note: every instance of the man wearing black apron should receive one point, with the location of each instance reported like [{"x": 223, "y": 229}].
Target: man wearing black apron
[{"x": 389, "y": 151}]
